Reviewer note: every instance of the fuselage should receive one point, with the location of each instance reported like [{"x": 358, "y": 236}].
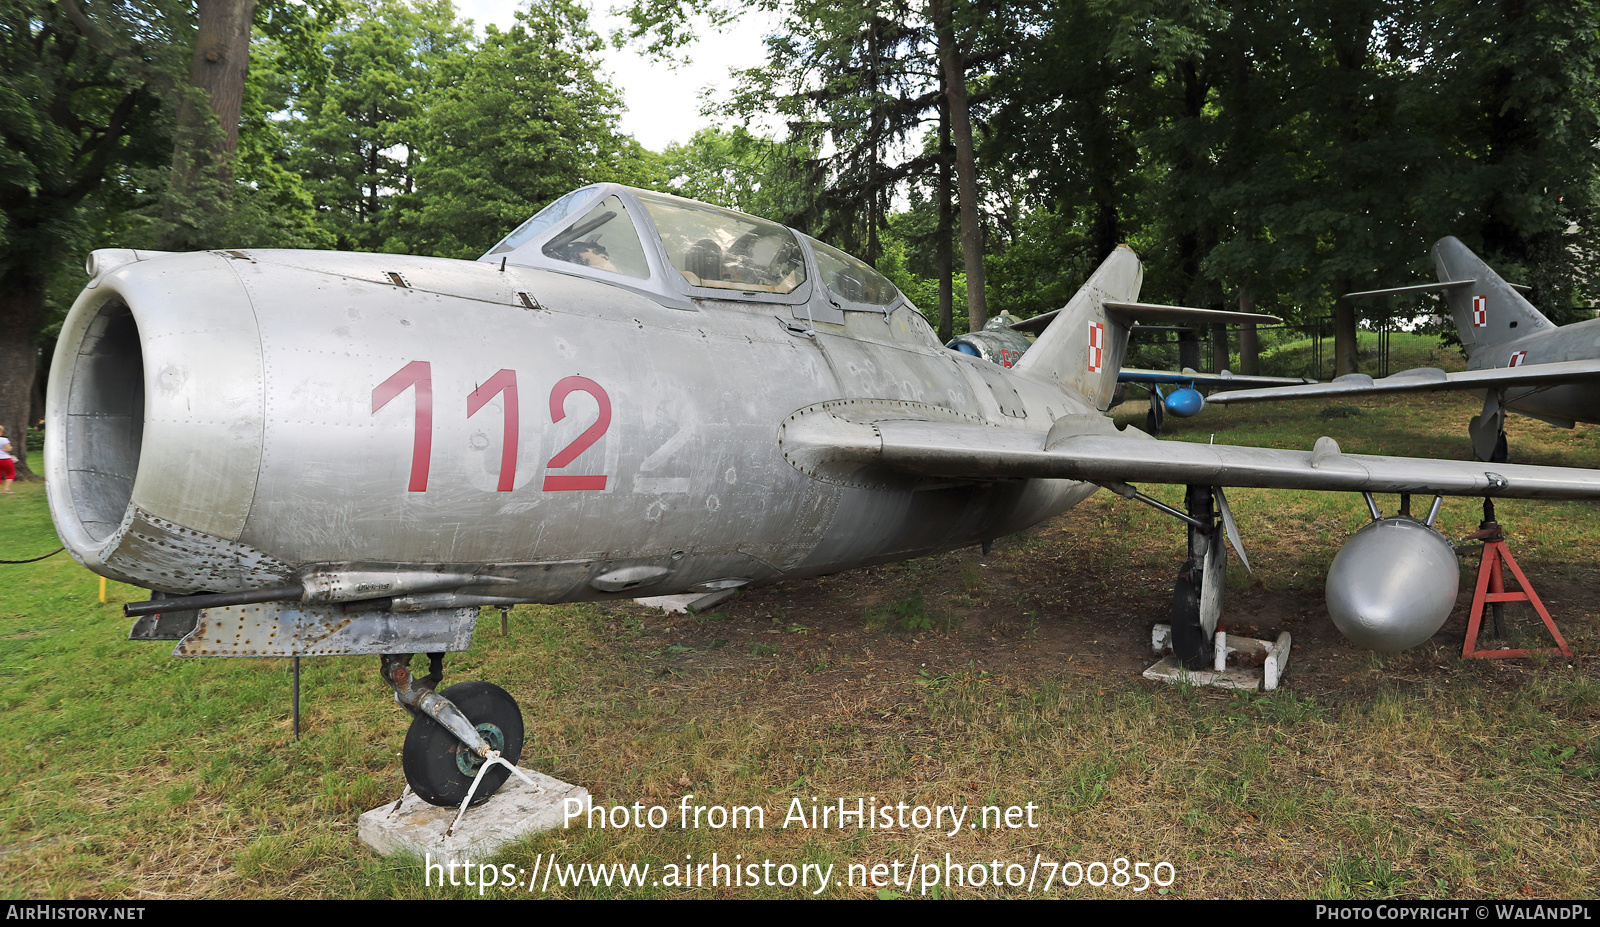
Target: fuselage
[
  {"x": 1561, "y": 404},
  {"x": 221, "y": 421}
]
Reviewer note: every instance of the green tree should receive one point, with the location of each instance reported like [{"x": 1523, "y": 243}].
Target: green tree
[
  {"x": 206, "y": 127},
  {"x": 1523, "y": 85},
  {"x": 79, "y": 92},
  {"x": 358, "y": 128},
  {"x": 270, "y": 206},
  {"x": 1256, "y": 166},
  {"x": 852, "y": 82},
  {"x": 740, "y": 171},
  {"x": 200, "y": 196},
  {"x": 1061, "y": 119},
  {"x": 527, "y": 120}
]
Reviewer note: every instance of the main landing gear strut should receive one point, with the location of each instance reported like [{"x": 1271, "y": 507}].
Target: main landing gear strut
[
  {"x": 454, "y": 733},
  {"x": 1197, "y": 594}
]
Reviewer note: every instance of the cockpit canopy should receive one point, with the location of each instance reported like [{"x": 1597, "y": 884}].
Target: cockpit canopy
[{"x": 678, "y": 250}]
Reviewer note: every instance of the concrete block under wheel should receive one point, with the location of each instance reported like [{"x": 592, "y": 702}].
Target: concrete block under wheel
[
  {"x": 517, "y": 810},
  {"x": 1265, "y": 677}
]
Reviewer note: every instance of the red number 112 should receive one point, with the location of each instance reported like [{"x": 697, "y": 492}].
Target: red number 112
[{"x": 419, "y": 374}]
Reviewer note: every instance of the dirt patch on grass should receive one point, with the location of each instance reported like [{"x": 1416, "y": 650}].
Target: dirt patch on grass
[{"x": 1040, "y": 603}]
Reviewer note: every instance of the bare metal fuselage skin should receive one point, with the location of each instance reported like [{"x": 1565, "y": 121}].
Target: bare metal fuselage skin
[
  {"x": 1559, "y": 404},
  {"x": 223, "y": 421}
]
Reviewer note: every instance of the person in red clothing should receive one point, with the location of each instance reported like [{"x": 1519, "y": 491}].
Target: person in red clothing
[{"x": 8, "y": 466}]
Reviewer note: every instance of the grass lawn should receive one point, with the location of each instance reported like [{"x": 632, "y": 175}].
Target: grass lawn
[{"x": 964, "y": 680}]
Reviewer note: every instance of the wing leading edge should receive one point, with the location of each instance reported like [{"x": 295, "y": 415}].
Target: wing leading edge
[{"x": 833, "y": 445}]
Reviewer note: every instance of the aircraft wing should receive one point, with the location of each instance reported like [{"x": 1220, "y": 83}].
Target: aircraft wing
[
  {"x": 1427, "y": 378},
  {"x": 835, "y": 443},
  {"x": 1223, "y": 380}
]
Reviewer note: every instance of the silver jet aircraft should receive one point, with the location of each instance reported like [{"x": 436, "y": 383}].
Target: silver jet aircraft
[
  {"x": 1518, "y": 360},
  {"x": 314, "y": 453}
]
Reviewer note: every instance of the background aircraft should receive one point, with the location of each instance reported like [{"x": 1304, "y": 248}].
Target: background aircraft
[
  {"x": 998, "y": 343},
  {"x": 317, "y": 453},
  {"x": 1518, "y": 360},
  {"x": 1002, "y": 342},
  {"x": 1183, "y": 397}
]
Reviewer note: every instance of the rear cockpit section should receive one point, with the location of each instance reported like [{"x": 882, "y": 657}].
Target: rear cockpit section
[
  {"x": 852, "y": 282},
  {"x": 105, "y": 419}
]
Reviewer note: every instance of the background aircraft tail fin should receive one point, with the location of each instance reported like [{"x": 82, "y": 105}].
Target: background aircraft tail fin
[
  {"x": 1486, "y": 310},
  {"x": 1083, "y": 344}
]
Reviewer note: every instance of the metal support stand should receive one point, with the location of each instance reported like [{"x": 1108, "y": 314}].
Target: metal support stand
[
  {"x": 1491, "y": 590},
  {"x": 296, "y": 698},
  {"x": 1274, "y": 661}
]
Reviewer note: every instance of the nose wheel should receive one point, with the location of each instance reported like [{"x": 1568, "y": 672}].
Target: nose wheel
[{"x": 440, "y": 768}]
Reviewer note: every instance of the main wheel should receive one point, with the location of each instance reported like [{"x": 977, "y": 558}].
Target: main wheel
[
  {"x": 1502, "y": 453},
  {"x": 1190, "y": 642},
  {"x": 440, "y": 768},
  {"x": 1154, "y": 418}
]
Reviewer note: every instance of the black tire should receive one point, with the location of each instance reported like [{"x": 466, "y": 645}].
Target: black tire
[
  {"x": 1190, "y": 643},
  {"x": 1502, "y": 453},
  {"x": 440, "y": 768}
]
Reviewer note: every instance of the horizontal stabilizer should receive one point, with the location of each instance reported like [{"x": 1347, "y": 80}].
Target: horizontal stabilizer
[
  {"x": 1426, "y": 379},
  {"x": 1418, "y": 288},
  {"x": 1156, "y": 313},
  {"x": 1429, "y": 288}
]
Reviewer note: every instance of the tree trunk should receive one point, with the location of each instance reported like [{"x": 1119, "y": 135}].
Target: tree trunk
[
  {"x": 1352, "y": 31},
  {"x": 1249, "y": 340},
  {"x": 207, "y": 134},
  {"x": 21, "y": 314},
  {"x": 220, "y": 65},
  {"x": 966, "y": 166},
  {"x": 1219, "y": 347},
  {"x": 1188, "y": 349},
  {"x": 945, "y": 247},
  {"x": 1345, "y": 349}
]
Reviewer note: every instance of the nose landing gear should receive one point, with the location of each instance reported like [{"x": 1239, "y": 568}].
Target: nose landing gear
[{"x": 454, "y": 733}]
